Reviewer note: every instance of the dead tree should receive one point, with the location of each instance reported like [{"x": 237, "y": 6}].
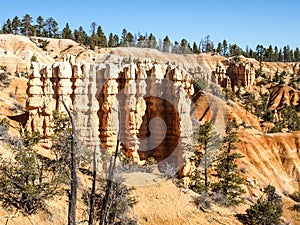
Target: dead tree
[
  {"x": 73, "y": 186},
  {"x": 112, "y": 165},
  {"x": 92, "y": 200}
]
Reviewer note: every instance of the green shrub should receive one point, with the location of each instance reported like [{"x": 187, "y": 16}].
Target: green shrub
[
  {"x": 267, "y": 210},
  {"x": 23, "y": 183},
  {"x": 295, "y": 196},
  {"x": 29, "y": 179},
  {"x": 4, "y": 79},
  {"x": 33, "y": 58}
]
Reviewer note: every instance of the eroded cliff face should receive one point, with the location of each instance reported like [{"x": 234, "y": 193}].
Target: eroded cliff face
[
  {"x": 272, "y": 158},
  {"x": 148, "y": 103},
  {"x": 152, "y": 105}
]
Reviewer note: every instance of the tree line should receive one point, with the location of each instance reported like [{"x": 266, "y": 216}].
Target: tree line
[{"x": 96, "y": 37}]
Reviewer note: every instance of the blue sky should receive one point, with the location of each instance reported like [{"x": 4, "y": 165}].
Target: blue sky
[{"x": 242, "y": 22}]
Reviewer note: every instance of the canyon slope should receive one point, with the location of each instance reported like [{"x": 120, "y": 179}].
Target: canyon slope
[{"x": 151, "y": 96}]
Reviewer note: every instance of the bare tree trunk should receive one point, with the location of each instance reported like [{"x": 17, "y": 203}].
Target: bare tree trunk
[
  {"x": 105, "y": 202},
  {"x": 92, "y": 200},
  {"x": 73, "y": 188}
]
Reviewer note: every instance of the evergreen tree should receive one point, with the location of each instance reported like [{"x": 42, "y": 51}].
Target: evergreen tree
[
  {"x": 4, "y": 29},
  {"x": 289, "y": 119},
  {"x": 116, "y": 40},
  {"x": 235, "y": 50},
  {"x": 80, "y": 36},
  {"x": 260, "y": 52},
  {"x": 93, "y": 28},
  {"x": 94, "y": 41},
  {"x": 40, "y": 27},
  {"x": 8, "y": 26},
  {"x": 262, "y": 108},
  {"x": 67, "y": 32},
  {"x": 219, "y": 48},
  {"x": 152, "y": 43},
  {"x": 16, "y": 23},
  {"x": 26, "y": 27},
  {"x": 183, "y": 45},
  {"x": 102, "y": 37},
  {"x": 280, "y": 56},
  {"x": 111, "y": 41},
  {"x": 276, "y": 54},
  {"x": 247, "y": 52},
  {"x": 293, "y": 81},
  {"x": 204, "y": 155},
  {"x": 225, "y": 47},
  {"x": 52, "y": 28},
  {"x": 175, "y": 47},
  {"x": 141, "y": 41},
  {"x": 267, "y": 210},
  {"x": 209, "y": 46},
  {"x": 286, "y": 54},
  {"x": 250, "y": 101},
  {"x": 166, "y": 44},
  {"x": 130, "y": 40},
  {"x": 195, "y": 48},
  {"x": 229, "y": 182},
  {"x": 270, "y": 54},
  {"x": 124, "y": 41},
  {"x": 297, "y": 55}
]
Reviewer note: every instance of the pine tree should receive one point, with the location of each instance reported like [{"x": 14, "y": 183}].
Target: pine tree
[
  {"x": 40, "y": 27},
  {"x": 4, "y": 29},
  {"x": 116, "y": 40},
  {"x": 209, "y": 46},
  {"x": 267, "y": 210},
  {"x": 80, "y": 36},
  {"x": 229, "y": 182},
  {"x": 102, "y": 37},
  {"x": 293, "y": 81},
  {"x": 93, "y": 28},
  {"x": 235, "y": 50},
  {"x": 297, "y": 55},
  {"x": 270, "y": 54},
  {"x": 250, "y": 101},
  {"x": 52, "y": 28},
  {"x": 94, "y": 41},
  {"x": 219, "y": 48},
  {"x": 130, "y": 40},
  {"x": 183, "y": 45},
  {"x": 124, "y": 41},
  {"x": 280, "y": 56},
  {"x": 67, "y": 32},
  {"x": 111, "y": 41},
  {"x": 166, "y": 44},
  {"x": 208, "y": 144},
  {"x": 16, "y": 23},
  {"x": 195, "y": 48},
  {"x": 152, "y": 43},
  {"x": 276, "y": 54},
  {"x": 141, "y": 41},
  {"x": 225, "y": 47},
  {"x": 26, "y": 27},
  {"x": 8, "y": 26}
]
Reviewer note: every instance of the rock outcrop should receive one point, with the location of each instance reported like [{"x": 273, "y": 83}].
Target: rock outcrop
[
  {"x": 148, "y": 103},
  {"x": 241, "y": 72}
]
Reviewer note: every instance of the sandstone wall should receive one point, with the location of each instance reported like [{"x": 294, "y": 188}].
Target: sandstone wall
[{"x": 149, "y": 103}]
